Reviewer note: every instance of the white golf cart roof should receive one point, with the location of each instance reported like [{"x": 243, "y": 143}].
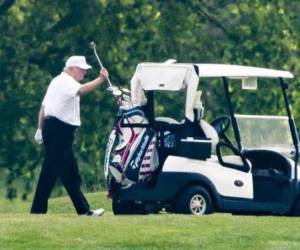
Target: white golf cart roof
[
  {"x": 239, "y": 72},
  {"x": 175, "y": 76}
]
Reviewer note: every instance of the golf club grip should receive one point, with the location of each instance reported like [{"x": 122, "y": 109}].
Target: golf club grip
[{"x": 98, "y": 59}]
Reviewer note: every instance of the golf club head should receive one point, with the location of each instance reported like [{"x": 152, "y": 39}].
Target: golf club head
[
  {"x": 126, "y": 95},
  {"x": 125, "y": 91},
  {"x": 115, "y": 90},
  {"x": 93, "y": 44}
]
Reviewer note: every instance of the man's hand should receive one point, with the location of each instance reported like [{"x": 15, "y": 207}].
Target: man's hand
[
  {"x": 92, "y": 85},
  {"x": 103, "y": 74},
  {"x": 38, "y": 136}
]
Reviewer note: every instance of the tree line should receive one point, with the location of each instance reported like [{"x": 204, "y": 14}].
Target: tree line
[{"x": 38, "y": 36}]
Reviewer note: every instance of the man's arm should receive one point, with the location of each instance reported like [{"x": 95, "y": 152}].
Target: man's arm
[
  {"x": 41, "y": 117},
  {"x": 92, "y": 85}
]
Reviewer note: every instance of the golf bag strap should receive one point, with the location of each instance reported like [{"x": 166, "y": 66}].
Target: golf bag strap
[{"x": 132, "y": 125}]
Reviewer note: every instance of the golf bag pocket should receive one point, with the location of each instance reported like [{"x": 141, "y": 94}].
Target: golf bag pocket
[
  {"x": 143, "y": 159},
  {"x": 135, "y": 157}
]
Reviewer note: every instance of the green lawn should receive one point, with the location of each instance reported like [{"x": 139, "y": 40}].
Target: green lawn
[{"x": 61, "y": 228}]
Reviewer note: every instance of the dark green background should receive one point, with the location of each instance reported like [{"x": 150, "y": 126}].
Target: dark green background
[{"x": 37, "y": 37}]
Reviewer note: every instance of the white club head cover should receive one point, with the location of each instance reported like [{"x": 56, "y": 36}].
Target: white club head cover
[{"x": 115, "y": 90}]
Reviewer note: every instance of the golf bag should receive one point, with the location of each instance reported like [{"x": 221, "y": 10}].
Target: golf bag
[{"x": 134, "y": 158}]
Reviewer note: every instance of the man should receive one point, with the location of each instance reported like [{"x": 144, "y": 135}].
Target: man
[{"x": 59, "y": 116}]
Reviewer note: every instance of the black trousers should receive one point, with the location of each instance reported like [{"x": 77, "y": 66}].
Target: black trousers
[{"x": 59, "y": 162}]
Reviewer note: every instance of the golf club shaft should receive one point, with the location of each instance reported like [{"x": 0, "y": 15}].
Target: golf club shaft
[{"x": 99, "y": 61}]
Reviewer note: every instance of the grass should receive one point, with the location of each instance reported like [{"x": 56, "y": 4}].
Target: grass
[{"x": 61, "y": 228}]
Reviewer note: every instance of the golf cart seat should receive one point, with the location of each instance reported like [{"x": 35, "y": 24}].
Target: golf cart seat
[
  {"x": 166, "y": 123},
  {"x": 198, "y": 135},
  {"x": 267, "y": 163},
  {"x": 210, "y": 132}
]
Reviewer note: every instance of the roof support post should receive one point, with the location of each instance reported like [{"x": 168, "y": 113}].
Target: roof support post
[
  {"x": 292, "y": 125},
  {"x": 233, "y": 120},
  {"x": 149, "y": 109}
]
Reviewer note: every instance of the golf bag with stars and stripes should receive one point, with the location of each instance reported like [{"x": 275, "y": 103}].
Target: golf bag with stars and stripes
[{"x": 134, "y": 158}]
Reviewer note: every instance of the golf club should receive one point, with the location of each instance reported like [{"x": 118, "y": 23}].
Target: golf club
[{"x": 113, "y": 89}]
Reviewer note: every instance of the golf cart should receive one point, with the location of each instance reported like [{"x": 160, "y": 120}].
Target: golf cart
[{"x": 197, "y": 168}]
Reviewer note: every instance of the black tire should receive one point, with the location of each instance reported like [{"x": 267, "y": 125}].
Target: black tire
[
  {"x": 296, "y": 208},
  {"x": 127, "y": 207},
  {"x": 195, "y": 200}
]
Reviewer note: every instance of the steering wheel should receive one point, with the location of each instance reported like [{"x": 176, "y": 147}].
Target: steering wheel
[{"x": 221, "y": 124}]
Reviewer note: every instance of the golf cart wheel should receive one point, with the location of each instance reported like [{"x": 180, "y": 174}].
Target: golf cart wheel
[
  {"x": 296, "y": 208},
  {"x": 127, "y": 207},
  {"x": 195, "y": 200}
]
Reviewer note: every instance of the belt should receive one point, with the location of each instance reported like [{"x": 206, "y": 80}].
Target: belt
[{"x": 53, "y": 118}]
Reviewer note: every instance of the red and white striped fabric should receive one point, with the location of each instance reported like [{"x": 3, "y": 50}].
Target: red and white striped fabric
[{"x": 146, "y": 169}]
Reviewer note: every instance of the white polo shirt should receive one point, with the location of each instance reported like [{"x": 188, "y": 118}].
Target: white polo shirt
[{"x": 62, "y": 101}]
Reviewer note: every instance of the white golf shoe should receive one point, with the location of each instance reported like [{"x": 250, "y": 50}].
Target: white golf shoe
[{"x": 97, "y": 212}]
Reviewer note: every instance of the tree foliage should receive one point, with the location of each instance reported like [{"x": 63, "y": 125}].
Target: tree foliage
[{"x": 37, "y": 37}]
